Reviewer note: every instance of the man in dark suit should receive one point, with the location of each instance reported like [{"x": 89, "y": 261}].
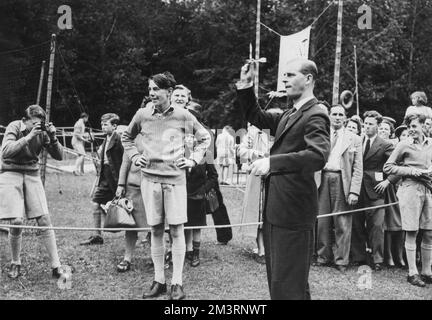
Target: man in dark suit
[
  {"x": 301, "y": 147},
  {"x": 368, "y": 226}
]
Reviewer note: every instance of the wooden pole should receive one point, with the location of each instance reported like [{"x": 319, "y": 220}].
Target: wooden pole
[
  {"x": 257, "y": 47},
  {"x": 40, "y": 82},
  {"x": 356, "y": 80},
  {"x": 336, "y": 77},
  {"x": 48, "y": 100}
]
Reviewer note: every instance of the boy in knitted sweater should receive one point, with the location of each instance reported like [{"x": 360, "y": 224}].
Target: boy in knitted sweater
[{"x": 163, "y": 179}]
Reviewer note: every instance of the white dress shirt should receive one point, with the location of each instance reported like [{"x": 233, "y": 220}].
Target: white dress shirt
[{"x": 334, "y": 160}]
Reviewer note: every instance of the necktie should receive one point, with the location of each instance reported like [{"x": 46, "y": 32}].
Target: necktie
[
  {"x": 366, "y": 148},
  {"x": 334, "y": 140}
]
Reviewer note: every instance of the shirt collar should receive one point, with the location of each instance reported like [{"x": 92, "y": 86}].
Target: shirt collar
[
  {"x": 371, "y": 139},
  {"x": 156, "y": 111},
  {"x": 302, "y": 102},
  {"x": 339, "y": 131},
  {"x": 23, "y": 126},
  {"x": 426, "y": 141}
]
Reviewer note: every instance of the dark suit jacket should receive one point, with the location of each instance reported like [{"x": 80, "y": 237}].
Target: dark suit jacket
[
  {"x": 114, "y": 154},
  {"x": 301, "y": 147},
  {"x": 373, "y": 162}
]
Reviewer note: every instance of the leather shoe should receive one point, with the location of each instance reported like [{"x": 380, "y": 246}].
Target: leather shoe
[
  {"x": 341, "y": 268},
  {"x": 92, "y": 240},
  {"x": 415, "y": 280},
  {"x": 177, "y": 292},
  {"x": 426, "y": 278},
  {"x": 378, "y": 266},
  {"x": 359, "y": 263},
  {"x": 156, "y": 290},
  {"x": 320, "y": 264},
  {"x": 14, "y": 271}
]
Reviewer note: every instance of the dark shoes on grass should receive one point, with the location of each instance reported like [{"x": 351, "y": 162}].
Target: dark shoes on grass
[
  {"x": 156, "y": 290},
  {"x": 92, "y": 240},
  {"x": 14, "y": 271},
  {"x": 416, "y": 280},
  {"x": 123, "y": 266},
  {"x": 177, "y": 292}
]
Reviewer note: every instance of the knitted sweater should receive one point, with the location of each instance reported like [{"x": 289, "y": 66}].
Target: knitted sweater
[
  {"x": 21, "y": 155},
  {"x": 163, "y": 142}
]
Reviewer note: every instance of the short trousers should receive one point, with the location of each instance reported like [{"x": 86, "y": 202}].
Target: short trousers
[
  {"x": 415, "y": 203},
  {"x": 105, "y": 191},
  {"x": 22, "y": 195},
  {"x": 164, "y": 201}
]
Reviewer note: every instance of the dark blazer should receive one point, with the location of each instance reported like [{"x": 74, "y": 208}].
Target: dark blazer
[
  {"x": 114, "y": 154},
  {"x": 301, "y": 147},
  {"x": 373, "y": 162}
]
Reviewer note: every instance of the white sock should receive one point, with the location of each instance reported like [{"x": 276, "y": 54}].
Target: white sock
[
  {"x": 158, "y": 256},
  {"x": 411, "y": 258},
  {"x": 178, "y": 256},
  {"x": 49, "y": 240},
  {"x": 15, "y": 240},
  {"x": 426, "y": 255}
]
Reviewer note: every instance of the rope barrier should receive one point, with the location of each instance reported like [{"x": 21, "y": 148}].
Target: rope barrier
[{"x": 186, "y": 228}]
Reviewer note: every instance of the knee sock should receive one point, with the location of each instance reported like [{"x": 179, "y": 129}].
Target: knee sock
[
  {"x": 15, "y": 240},
  {"x": 49, "y": 240},
  {"x": 196, "y": 245},
  {"x": 188, "y": 240},
  {"x": 426, "y": 255},
  {"x": 178, "y": 255},
  {"x": 97, "y": 218},
  {"x": 131, "y": 239},
  {"x": 157, "y": 254},
  {"x": 411, "y": 258}
]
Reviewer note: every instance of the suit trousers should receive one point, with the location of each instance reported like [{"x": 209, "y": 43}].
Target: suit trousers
[
  {"x": 368, "y": 227},
  {"x": 288, "y": 257},
  {"x": 332, "y": 199}
]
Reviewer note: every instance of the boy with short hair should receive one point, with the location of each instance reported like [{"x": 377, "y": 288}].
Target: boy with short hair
[
  {"x": 163, "y": 175},
  {"x": 412, "y": 160},
  {"x": 22, "y": 194},
  {"x": 111, "y": 154}
]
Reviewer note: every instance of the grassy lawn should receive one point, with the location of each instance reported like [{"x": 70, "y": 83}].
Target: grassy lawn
[{"x": 226, "y": 272}]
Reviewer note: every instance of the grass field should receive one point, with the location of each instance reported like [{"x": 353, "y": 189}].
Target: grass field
[{"x": 226, "y": 272}]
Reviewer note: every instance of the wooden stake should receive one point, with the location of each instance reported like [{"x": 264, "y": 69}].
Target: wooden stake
[
  {"x": 257, "y": 47},
  {"x": 48, "y": 100},
  {"x": 356, "y": 80},
  {"x": 336, "y": 77}
]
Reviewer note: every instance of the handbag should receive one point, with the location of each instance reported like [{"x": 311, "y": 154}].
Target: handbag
[
  {"x": 119, "y": 214},
  {"x": 212, "y": 201}
]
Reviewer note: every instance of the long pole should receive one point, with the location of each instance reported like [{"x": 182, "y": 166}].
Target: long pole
[
  {"x": 336, "y": 77},
  {"x": 48, "y": 100},
  {"x": 40, "y": 82},
  {"x": 257, "y": 46},
  {"x": 356, "y": 80}
]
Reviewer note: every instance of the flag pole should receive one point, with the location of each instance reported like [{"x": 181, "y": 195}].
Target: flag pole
[
  {"x": 257, "y": 47},
  {"x": 336, "y": 77}
]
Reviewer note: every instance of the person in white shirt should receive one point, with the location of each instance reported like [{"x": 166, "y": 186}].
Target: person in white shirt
[
  {"x": 78, "y": 141},
  {"x": 340, "y": 188},
  {"x": 419, "y": 101},
  {"x": 225, "y": 148}
]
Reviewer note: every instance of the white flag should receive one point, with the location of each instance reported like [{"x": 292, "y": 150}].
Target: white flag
[{"x": 293, "y": 46}]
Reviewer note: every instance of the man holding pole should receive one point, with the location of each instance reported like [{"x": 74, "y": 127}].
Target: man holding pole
[{"x": 301, "y": 147}]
